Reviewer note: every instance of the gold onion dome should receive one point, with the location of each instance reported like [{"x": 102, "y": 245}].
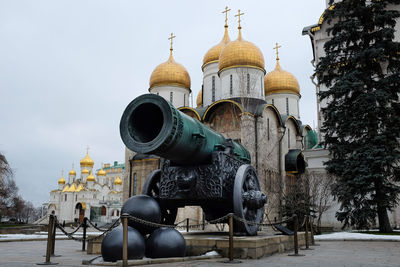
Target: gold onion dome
[
  {"x": 101, "y": 173},
  {"x": 72, "y": 171},
  {"x": 241, "y": 53},
  {"x": 118, "y": 181},
  {"x": 85, "y": 171},
  {"x": 214, "y": 52},
  {"x": 90, "y": 177},
  {"x": 61, "y": 180},
  {"x": 87, "y": 161},
  {"x": 199, "y": 99},
  {"x": 280, "y": 81},
  {"x": 170, "y": 73}
]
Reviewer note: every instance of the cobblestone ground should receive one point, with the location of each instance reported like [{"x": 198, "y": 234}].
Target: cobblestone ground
[{"x": 328, "y": 254}]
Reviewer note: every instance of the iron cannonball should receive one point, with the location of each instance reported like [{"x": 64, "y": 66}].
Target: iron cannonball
[
  {"x": 111, "y": 246},
  {"x": 165, "y": 243},
  {"x": 145, "y": 208}
]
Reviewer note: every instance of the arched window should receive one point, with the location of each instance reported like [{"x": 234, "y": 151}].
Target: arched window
[
  {"x": 134, "y": 183},
  {"x": 287, "y": 106},
  {"x": 231, "y": 84},
  {"x": 213, "y": 89},
  {"x": 103, "y": 211},
  {"x": 171, "y": 97},
  {"x": 117, "y": 212},
  {"x": 288, "y": 136},
  {"x": 248, "y": 83},
  {"x": 112, "y": 214}
]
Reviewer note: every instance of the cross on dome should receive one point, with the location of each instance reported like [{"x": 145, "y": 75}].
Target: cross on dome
[
  {"x": 238, "y": 15},
  {"x": 226, "y": 15},
  {"x": 277, "y": 52},
  {"x": 171, "y": 39}
]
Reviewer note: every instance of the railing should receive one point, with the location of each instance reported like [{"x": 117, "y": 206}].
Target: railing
[{"x": 229, "y": 218}]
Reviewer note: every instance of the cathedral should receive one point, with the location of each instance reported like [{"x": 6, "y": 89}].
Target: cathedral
[
  {"x": 242, "y": 101},
  {"x": 98, "y": 198}
]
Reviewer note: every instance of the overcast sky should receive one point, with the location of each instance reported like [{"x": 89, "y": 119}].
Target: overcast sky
[{"x": 69, "y": 68}]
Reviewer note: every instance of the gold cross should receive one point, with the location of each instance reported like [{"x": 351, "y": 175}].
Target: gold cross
[
  {"x": 277, "y": 52},
  {"x": 238, "y": 15},
  {"x": 87, "y": 150},
  {"x": 226, "y": 15},
  {"x": 171, "y": 38},
  {"x": 62, "y": 173}
]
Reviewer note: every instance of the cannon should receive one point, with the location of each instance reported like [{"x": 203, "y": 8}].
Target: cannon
[{"x": 200, "y": 167}]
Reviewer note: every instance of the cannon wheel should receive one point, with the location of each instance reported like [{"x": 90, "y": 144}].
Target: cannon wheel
[
  {"x": 152, "y": 188},
  {"x": 246, "y": 179}
]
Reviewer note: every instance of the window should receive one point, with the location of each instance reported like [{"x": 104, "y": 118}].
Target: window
[
  {"x": 231, "y": 84},
  {"x": 268, "y": 128},
  {"x": 213, "y": 88},
  {"x": 117, "y": 212},
  {"x": 261, "y": 86},
  {"x": 248, "y": 83},
  {"x": 158, "y": 93},
  {"x": 287, "y": 106},
  {"x": 134, "y": 183},
  {"x": 184, "y": 99},
  {"x": 103, "y": 211},
  {"x": 288, "y": 138},
  {"x": 171, "y": 97},
  {"x": 76, "y": 197},
  {"x": 65, "y": 197},
  {"x": 273, "y": 102}
]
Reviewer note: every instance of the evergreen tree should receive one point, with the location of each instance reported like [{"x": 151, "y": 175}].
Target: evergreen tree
[{"x": 361, "y": 124}]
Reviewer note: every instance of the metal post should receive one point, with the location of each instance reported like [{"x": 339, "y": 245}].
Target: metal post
[
  {"x": 203, "y": 222},
  {"x": 53, "y": 236},
  {"x": 231, "y": 237},
  {"x": 187, "y": 225},
  {"x": 296, "y": 242},
  {"x": 49, "y": 242},
  {"x": 84, "y": 234},
  {"x": 125, "y": 240}
]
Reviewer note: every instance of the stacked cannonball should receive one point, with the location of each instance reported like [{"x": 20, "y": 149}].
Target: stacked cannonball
[{"x": 143, "y": 239}]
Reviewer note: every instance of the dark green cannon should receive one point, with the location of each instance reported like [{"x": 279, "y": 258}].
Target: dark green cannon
[{"x": 200, "y": 166}]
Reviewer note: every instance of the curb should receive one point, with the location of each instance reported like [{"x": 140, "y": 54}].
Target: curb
[
  {"x": 358, "y": 240},
  {"x": 31, "y": 239},
  {"x": 151, "y": 261}
]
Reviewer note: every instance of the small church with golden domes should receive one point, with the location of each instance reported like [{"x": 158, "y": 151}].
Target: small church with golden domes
[
  {"x": 98, "y": 198},
  {"x": 240, "y": 100}
]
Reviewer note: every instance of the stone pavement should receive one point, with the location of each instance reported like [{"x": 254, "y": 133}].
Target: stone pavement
[{"x": 330, "y": 254}]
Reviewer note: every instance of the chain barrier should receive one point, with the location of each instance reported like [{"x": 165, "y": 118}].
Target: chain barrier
[
  {"x": 80, "y": 239},
  {"x": 97, "y": 228},
  {"x": 237, "y": 218}
]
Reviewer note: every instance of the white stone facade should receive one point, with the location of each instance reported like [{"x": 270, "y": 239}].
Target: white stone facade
[{"x": 97, "y": 199}]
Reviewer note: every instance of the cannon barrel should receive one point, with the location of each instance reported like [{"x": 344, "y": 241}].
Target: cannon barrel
[{"x": 152, "y": 125}]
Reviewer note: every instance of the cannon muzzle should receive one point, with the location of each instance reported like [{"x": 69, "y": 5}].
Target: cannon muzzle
[{"x": 152, "y": 125}]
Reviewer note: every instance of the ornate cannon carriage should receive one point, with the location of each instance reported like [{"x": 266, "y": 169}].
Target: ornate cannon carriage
[{"x": 199, "y": 168}]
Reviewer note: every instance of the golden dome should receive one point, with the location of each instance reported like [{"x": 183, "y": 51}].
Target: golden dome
[
  {"x": 118, "y": 181},
  {"x": 87, "y": 161},
  {"x": 279, "y": 81},
  {"x": 241, "y": 53},
  {"x": 90, "y": 177},
  {"x": 85, "y": 171},
  {"x": 61, "y": 180},
  {"x": 72, "y": 172},
  {"x": 101, "y": 173},
  {"x": 199, "y": 100},
  {"x": 170, "y": 73},
  {"x": 212, "y": 55}
]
